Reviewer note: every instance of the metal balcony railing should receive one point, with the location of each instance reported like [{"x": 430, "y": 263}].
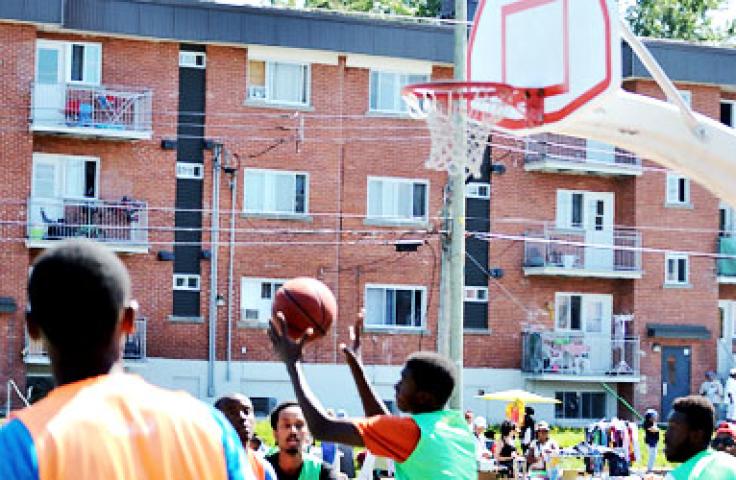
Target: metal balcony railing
[
  {"x": 580, "y": 249},
  {"x": 122, "y": 222},
  {"x": 563, "y": 149},
  {"x": 134, "y": 348},
  {"x": 579, "y": 354},
  {"x": 101, "y": 110}
]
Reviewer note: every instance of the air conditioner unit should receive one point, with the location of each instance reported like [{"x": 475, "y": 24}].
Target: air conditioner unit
[{"x": 192, "y": 59}]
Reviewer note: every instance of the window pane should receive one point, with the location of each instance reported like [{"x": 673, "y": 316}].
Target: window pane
[
  {"x": 92, "y": 64},
  {"x": 404, "y": 199},
  {"x": 283, "y": 192},
  {"x": 286, "y": 82},
  {"x": 44, "y": 176},
  {"x": 90, "y": 179},
  {"x": 575, "y": 312},
  {"x": 390, "y": 312},
  {"x": 572, "y": 405},
  {"x": 598, "y": 405},
  {"x": 374, "y": 90},
  {"x": 74, "y": 178},
  {"x": 375, "y": 198},
  {"x": 577, "y": 209},
  {"x": 418, "y": 308},
  {"x": 254, "y": 191},
  {"x": 559, "y": 407},
  {"x": 404, "y": 310},
  {"x": 300, "y": 201},
  {"x": 256, "y": 73},
  {"x": 420, "y": 196},
  {"x": 386, "y": 91},
  {"x": 374, "y": 306},
  {"x": 594, "y": 322},
  {"x": 681, "y": 192},
  {"x": 48, "y": 66},
  {"x": 266, "y": 290},
  {"x": 671, "y": 274},
  {"x": 682, "y": 270},
  {"x": 563, "y": 313},
  {"x": 77, "y": 73}
]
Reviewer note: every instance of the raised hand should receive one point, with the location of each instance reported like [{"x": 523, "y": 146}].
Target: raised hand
[
  {"x": 288, "y": 350},
  {"x": 353, "y": 352}
]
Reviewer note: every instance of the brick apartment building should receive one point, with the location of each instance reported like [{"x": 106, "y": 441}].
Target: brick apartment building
[{"x": 137, "y": 123}]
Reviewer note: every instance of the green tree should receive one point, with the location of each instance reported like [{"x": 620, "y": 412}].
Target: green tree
[
  {"x": 676, "y": 19},
  {"x": 418, "y": 8}
]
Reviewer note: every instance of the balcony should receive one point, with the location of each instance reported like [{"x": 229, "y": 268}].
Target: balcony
[
  {"x": 119, "y": 113},
  {"x": 121, "y": 225},
  {"x": 568, "y": 252},
  {"x": 134, "y": 349},
  {"x": 557, "y": 154},
  {"x": 726, "y": 267},
  {"x": 580, "y": 357}
]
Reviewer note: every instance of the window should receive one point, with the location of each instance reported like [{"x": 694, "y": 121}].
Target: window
[
  {"x": 64, "y": 177},
  {"x": 397, "y": 199},
  {"x": 726, "y": 221},
  {"x": 192, "y": 59},
  {"x": 256, "y": 297},
  {"x": 478, "y": 190},
  {"x": 678, "y": 189},
  {"x": 71, "y": 62},
  {"x": 687, "y": 97},
  {"x": 727, "y": 113},
  {"x": 84, "y": 63},
  {"x": 476, "y": 294},
  {"x": 394, "y": 306},
  {"x": 587, "y": 313},
  {"x": 276, "y": 192},
  {"x": 187, "y": 170},
  {"x": 385, "y": 90},
  {"x": 580, "y": 405},
  {"x": 278, "y": 82},
  {"x": 186, "y": 281},
  {"x": 676, "y": 269}
]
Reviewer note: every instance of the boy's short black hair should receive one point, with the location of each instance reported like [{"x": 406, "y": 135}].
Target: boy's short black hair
[
  {"x": 76, "y": 292},
  {"x": 698, "y": 413},
  {"x": 507, "y": 427},
  {"x": 277, "y": 411},
  {"x": 434, "y": 374}
]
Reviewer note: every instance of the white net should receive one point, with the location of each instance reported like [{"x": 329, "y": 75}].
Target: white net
[{"x": 459, "y": 123}]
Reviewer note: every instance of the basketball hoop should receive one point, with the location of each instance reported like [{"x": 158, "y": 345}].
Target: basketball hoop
[{"x": 473, "y": 106}]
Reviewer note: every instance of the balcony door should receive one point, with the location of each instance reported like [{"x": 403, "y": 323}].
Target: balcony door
[
  {"x": 49, "y": 92},
  {"x": 591, "y": 212},
  {"x": 727, "y": 319},
  {"x": 587, "y": 318}
]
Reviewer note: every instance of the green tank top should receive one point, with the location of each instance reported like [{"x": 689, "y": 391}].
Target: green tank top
[
  {"x": 446, "y": 449},
  {"x": 311, "y": 468}
]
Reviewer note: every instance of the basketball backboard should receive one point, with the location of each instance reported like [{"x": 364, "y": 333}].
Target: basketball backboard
[{"x": 569, "y": 48}]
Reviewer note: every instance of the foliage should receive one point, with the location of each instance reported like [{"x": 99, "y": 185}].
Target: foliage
[
  {"x": 417, "y": 8},
  {"x": 676, "y": 19}
]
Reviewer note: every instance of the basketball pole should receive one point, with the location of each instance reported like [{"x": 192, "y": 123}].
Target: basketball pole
[{"x": 455, "y": 258}]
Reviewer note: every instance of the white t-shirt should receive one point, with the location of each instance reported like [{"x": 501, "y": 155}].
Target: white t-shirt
[
  {"x": 541, "y": 452},
  {"x": 730, "y": 388},
  {"x": 713, "y": 391}
]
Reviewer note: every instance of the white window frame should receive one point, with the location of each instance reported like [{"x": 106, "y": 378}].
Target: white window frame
[
  {"x": 189, "y": 59},
  {"x": 260, "y": 305},
  {"x": 68, "y": 63},
  {"x": 186, "y": 277},
  {"x": 687, "y": 97},
  {"x": 672, "y": 177},
  {"x": 475, "y": 294},
  {"x": 729, "y": 229},
  {"x": 732, "y": 104},
  {"x": 398, "y": 101},
  {"x": 268, "y": 66},
  {"x": 62, "y": 161},
  {"x": 189, "y": 171},
  {"x": 585, "y": 299},
  {"x": 473, "y": 190},
  {"x": 395, "y": 219},
  {"x": 276, "y": 213},
  {"x": 383, "y": 326},
  {"x": 676, "y": 257}
]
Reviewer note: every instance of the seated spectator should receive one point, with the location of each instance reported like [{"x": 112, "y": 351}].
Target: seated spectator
[
  {"x": 725, "y": 440},
  {"x": 541, "y": 448},
  {"x": 505, "y": 450}
]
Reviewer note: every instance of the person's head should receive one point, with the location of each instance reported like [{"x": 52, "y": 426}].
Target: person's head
[
  {"x": 710, "y": 375},
  {"x": 732, "y": 373},
  {"x": 651, "y": 415},
  {"x": 238, "y": 409},
  {"x": 689, "y": 428},
  {"x": 529, "y": 411},
  {"x": 479, "y": 425},
  {"x": 427, "y": 381},
  {"x": 490, "y": 434},
  {"x": 542, "y": 431},
  {"x": 469, "y": 416},
  {"x": 507, "y": 428},
  {"x": 725, "y": 440},
  {"x": 289, "y": 428},
  {"x": 80, "y": 303}
]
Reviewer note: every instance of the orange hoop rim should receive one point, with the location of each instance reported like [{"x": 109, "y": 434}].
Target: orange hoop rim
[{"x": 528, "y": 101}]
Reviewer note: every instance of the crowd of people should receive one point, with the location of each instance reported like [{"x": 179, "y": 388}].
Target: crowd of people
[{"x": 100, "y": 422}]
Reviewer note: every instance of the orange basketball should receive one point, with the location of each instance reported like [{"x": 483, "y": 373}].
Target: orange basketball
[{"x": 306, "y": 302}]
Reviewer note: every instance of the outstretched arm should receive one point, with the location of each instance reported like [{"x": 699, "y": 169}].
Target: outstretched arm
[
  {"x": 321, "y": 426},
  {"x": 372, "y": 403}
]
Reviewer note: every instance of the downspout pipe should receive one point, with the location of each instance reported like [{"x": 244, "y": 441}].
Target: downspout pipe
[
  {"x": 231, "y": 261},
  {"x": 214, "y": 242}
]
